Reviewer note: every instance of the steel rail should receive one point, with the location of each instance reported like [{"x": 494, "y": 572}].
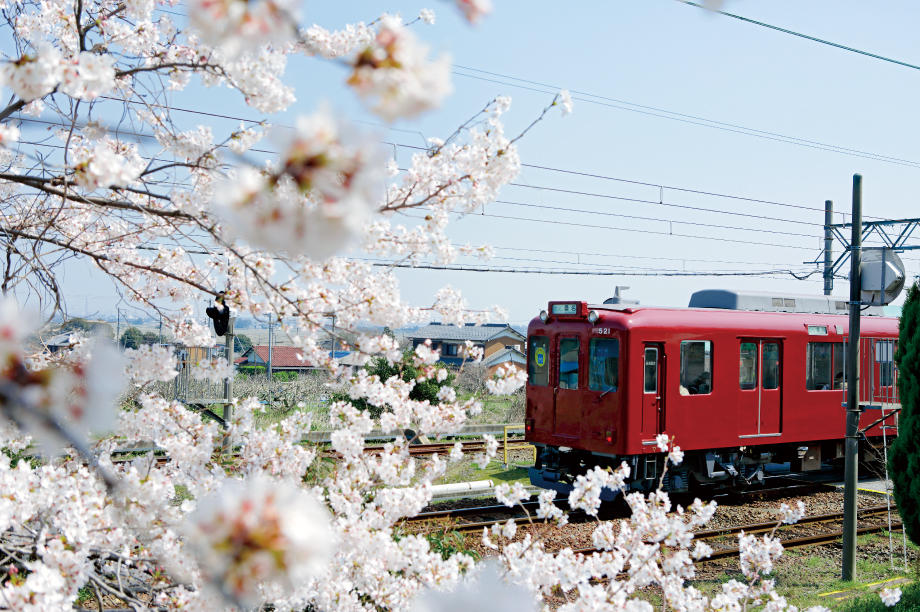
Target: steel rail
[
  {"x": 768, "y": 526},
  {"x": 789, "y": 543},
  {"x": 824, "y": 538}
]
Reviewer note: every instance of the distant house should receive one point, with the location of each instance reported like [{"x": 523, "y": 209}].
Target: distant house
[
  {"x": 58, "y": 343},
  {"x": 284, "y": 358},
  {"x": 494, "y": 338},
  {"x": 507, "y": 355}
]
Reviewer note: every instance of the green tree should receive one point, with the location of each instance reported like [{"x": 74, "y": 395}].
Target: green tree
[
  {"x": 88, "y": 328},
  {"x": 132, "y": 338},
  {"x": 904, "y": 459},
  {"x": 151, "y": 338},
  {"x": 241, "y": 344},
  {"x": 427, "y": 390}
]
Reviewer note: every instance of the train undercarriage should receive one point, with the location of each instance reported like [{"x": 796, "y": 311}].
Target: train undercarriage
[{"x": 736, "y": 469}]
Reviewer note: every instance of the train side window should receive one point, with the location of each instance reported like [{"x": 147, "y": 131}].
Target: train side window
[
  {"x": 568, "y": 363},
  {"x": 770, "y": 375},
  {"x": 747, "y": 378},
  {"x": 696, "y": 367},
  {"x": 651, "y": 370},
  {"x": 839, "y": 356},
  {"x": 884, "y": 357},
  {"x": 538, "y": 361},
  {"x": 604, "y": 366},
  {"x": 819, "y": 365}
]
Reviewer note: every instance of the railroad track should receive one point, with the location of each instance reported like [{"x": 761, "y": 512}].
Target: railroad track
[
  {"x": 446, "y": 517},
  {"x": 811, "y": 540},
  {"x": 435, "y": 448},
  {"x": 445, "y": 448}
]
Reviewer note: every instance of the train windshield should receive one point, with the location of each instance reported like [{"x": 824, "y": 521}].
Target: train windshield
[
  {"x": 604, "y": 372},
  {"x": 538, "y": 362},
  {"x": 568, "y": 363}
]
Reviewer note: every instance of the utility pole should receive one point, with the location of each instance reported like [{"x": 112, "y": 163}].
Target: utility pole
[
  {"x": 271, "y": 328},
  {"x": 851, "y": 469},
  {"x": 118, "y": 326},
  {"x": 160, "y": 335},
  {"x": 229, "y": 339},
  {"x": 828, "y": 247}
]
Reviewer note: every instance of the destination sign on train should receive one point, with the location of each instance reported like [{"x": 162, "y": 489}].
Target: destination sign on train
[{"x": 565, "y": 309}]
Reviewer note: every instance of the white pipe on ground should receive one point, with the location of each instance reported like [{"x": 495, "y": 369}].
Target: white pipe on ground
[{"x": 462, "y": 487}]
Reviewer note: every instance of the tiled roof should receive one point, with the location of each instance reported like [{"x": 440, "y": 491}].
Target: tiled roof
[
  {"x": 287, "y": 356},
  {"x": 437, "y": 331},
  {"x": 506, "y": 354}
]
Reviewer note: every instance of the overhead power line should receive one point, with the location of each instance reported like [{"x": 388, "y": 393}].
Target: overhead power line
[
  {"x": 663, "y": 187},
  {"x": 762, "y": 273},
  {"x": 805, "y": 36},
  {"x": 634, "y": 231},
  {"x": 684, "y": 118},
  {"x": 654, "y": 219}
]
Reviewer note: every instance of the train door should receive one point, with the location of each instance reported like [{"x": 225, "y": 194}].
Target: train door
[
  {"x": 653, "y": 392},
  {"x": 567, "y": 402},
  {"x": 760, "y": 387}
]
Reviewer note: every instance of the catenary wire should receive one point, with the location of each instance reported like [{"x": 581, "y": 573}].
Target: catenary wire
[
  {"x": 829, "y": 149},
  {"x": 669, "y": 187},
  {"x": 554, "y": 88},
  {"x": 673, "y": 188},
  {"x": 763, "y": 273},
  {"x": 656, "y": 220},
  {"x": 805, "y": 36},
  {"x": 806, "y": 142}
]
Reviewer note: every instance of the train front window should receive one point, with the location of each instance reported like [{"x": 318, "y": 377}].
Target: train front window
[
  {"x": 538, "y": 361},
  {"x": 603, "y": 368},
  {"x": 696, "y": 367},
  {"x": 568, "y": 363},
  {"x": 747, "y": 378}
]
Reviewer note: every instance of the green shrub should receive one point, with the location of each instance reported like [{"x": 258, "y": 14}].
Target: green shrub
[
  {"x": 427, "y": 390},
  {"x": 251, "y": 370},
  {"x": 286, "y": 376}
]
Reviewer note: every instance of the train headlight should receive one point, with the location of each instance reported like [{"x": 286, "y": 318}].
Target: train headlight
[
  {"x": 592, "y": 317},
  {"x": 543, "y": 316}
]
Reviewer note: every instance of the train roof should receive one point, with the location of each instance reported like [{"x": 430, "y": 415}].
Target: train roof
[{"x": 636, "y": 316}]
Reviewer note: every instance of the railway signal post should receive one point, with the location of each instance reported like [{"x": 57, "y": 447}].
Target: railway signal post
[{"x": 851, "y": 467}]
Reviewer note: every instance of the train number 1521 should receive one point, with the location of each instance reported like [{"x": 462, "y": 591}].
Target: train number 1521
[{"x": 604, "y": 331}]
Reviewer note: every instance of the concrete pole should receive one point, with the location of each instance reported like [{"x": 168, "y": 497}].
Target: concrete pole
[
  {"x": 268, "y": 369},
  {"x": 851, "y": 469},
  {"x": 271, "y": 345},
  {"x": 229, "y": 339},
  {"x": 828, "y": 247}
]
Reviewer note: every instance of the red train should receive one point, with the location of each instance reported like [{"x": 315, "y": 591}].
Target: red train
[{"x": 739, "y": 380}]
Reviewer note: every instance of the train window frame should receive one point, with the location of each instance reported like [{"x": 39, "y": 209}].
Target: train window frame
[
  {"x": 753, "y": 370},
  {"x": 832, "y": 378},
  {"x": 884, "y": 357},
  {"x": 774, "y": 377},
  {"x": 560, "y": 361},
  {"x": 645, "y": 370},
  {"x": 594, "y": 384},
  {"x": 696, "y": 385},
  {"x": 533, "y": 355}
]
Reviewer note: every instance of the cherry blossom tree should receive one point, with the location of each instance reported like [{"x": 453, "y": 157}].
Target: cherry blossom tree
[{"x": 175, "y": 216}]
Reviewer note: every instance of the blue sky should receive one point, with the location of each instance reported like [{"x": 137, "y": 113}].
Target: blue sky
[{"x": 668, "y": 56}]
